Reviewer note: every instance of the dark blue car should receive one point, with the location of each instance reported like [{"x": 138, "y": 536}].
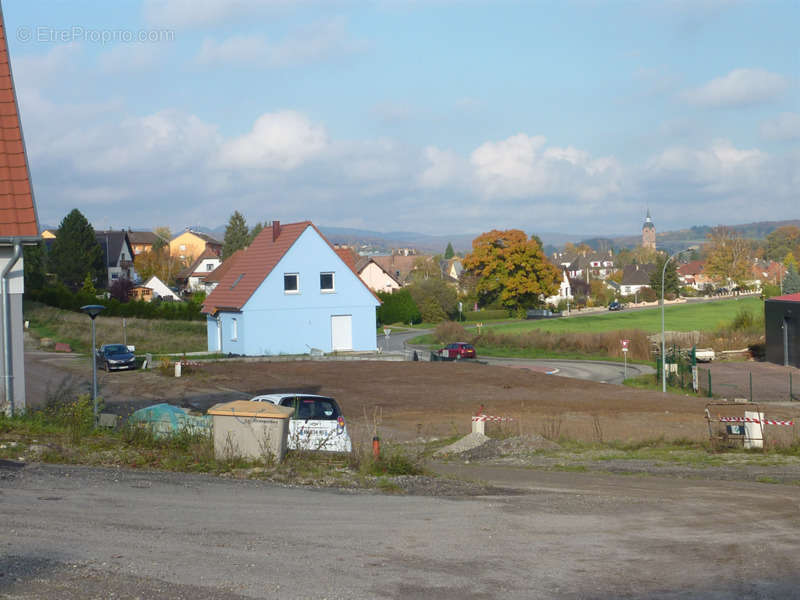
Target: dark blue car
[{"x": 113, "y": 357}]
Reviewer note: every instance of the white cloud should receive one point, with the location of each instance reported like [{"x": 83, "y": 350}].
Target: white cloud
[
  {"x": 201, "y": 13},
  {"x": 126, "y": 58},
  {"x": 740, "y": 87},
  {"x": 318, "y": 41},
  {"x": 281, "y": 140},
  {"x": 719, "y": 169},
  {"x": 785, "y": 126},
  {"x": 443, "y": 168},
  {"x": 521, "y": 166}
]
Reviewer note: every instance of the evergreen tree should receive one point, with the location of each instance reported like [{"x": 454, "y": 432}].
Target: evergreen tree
[
  {"x": 34, "y": 266},
  {"x": 791, "y": 283},
  {"x": 256, "y": 229},
  {"x": 449, "y": 252},
  {"x": 672, "y": 285},
  {"x": 236, "y": 235},
  {"x": 76, "y": 253}
]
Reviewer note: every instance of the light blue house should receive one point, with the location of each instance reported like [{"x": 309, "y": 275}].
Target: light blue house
[{"x": 287, "y": 293}]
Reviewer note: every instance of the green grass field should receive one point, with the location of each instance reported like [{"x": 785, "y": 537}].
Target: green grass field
[{"x": 701, "y": 316}]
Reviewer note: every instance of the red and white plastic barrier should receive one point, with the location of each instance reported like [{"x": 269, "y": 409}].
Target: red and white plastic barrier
[
  {"x": 752, "y": 420},
  {"x": 491, "y": 419}
]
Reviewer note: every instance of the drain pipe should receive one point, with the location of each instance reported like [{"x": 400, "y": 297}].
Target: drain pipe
[{"x": 8, "y": 379}]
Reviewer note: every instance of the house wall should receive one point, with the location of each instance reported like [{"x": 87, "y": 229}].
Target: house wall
[
  {"x": 776, "y": 313},
  {"x": 193, "y": 246},
  {"x": 16, "y": 289},
  {"x": 275, "y": 322},
  {"x": 377, "y": 279}
]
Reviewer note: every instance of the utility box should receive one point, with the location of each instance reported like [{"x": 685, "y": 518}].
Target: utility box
[{"x": 256, "y": 430}]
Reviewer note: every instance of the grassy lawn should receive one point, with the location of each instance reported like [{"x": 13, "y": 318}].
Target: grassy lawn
[
  {"x": 702, "y": 316},
  {"x": 148, "y": 335}
]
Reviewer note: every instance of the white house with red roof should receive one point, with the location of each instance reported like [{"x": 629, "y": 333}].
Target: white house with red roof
[
  {"x": 290, "y": 293},
  {"x": 18, "y": 227}
]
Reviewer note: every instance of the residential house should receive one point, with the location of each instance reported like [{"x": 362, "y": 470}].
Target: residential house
[
  {"x": 400, "y": 266},
  {"x": 151, "y": 289},
  {"x": 564, "y": 291},
  {"x": 192, "y": 278},
  {"x": 211, "y": 280},
  {"x": 375, "y": 276},
  {"x": 18, "y": 227},
  {"x": 452, "y": 268},
  {"x": 142, "y": 241},
  {"x": 589, "y": 266},
  {"x": 636, "y": 277},
  {"x": 763, "y": 271},
  {"x": 290, "y": 293},
  {"x": 117, "y": 255},
  {"x": 692, "y": 274},
  {"x": 191, "y": 244}
]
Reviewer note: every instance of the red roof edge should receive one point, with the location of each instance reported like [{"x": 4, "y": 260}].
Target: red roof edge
[
  {"x": 23, "y": 222},
  {"x": 787, "y": 298}
]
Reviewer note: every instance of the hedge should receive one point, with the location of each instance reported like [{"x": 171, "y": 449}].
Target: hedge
[{"x": 62, "y": 297}]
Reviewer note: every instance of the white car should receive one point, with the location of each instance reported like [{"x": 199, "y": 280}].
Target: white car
[{"x": 317, "y": 422}]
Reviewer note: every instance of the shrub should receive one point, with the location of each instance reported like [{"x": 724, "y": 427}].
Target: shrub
[
  {"x": 648, "y": 294},
  {"x": 448, "y": 332},
  {"x": 397, "y": 307}
]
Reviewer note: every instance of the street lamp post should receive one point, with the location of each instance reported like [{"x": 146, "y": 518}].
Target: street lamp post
[
  {"x": 93, "y": 310},
  {"x": 663, "y": 337}
]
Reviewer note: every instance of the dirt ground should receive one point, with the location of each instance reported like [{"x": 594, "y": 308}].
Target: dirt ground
[{"x": 410, "y": 400}]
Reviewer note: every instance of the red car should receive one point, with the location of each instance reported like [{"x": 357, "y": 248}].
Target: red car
[{"x": 457, "y": 351}]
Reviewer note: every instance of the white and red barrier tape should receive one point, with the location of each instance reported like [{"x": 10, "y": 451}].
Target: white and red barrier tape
[
  {"x": 479, "y": 418},
  {"x": 751, "y": 420}
]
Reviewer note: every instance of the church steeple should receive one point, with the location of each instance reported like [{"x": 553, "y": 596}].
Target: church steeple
[{"x": 649, "y": 232}]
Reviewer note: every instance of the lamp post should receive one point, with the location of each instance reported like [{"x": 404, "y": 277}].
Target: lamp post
[
  {"x": 93, "y": 310},
  {"x": 663, "y": 343}
]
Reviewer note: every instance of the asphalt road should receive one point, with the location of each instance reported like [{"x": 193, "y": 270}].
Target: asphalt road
[
  {"x": 79, "y": 532},
  {"x": 590, "y": 370}
]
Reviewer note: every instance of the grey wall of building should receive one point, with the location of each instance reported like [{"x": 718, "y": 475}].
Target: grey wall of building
[{"x": 776, "y": 314}]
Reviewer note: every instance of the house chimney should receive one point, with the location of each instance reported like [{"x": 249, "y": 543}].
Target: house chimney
[{"x": 276, "y": 230}]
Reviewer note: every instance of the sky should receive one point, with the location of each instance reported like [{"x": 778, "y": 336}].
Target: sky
[{"x": 437, "y": 116}]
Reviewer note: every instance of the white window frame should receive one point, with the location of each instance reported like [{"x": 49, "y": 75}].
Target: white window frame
[
  {"x": 332, "y": 290},
  {"x": 234, "y": 329},
  {"x": 297, "y": 279}
]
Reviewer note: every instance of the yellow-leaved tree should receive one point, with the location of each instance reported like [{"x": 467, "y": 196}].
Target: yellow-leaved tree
[
  {"x": 511, "y": 267},
  {"x": 728, "y": 256}
]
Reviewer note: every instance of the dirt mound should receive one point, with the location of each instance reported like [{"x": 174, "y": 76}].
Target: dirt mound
[
  {"x": 476, "y": 446},
  {"x": 465, "y": 444}
]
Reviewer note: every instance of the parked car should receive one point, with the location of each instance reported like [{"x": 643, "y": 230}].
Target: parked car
[
  {"x": 704, "y": 354},
  {"x": 317, "y": 422},
  {"x": 616, "y": 306},
  {"x": 457, "y": 351},
  {"x": 541, "y": 313},
  {"x": 113, "y": 357}
]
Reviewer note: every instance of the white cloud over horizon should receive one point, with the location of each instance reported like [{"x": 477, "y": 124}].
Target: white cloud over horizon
[
  {"x": 322, "y": 40},
  {"x": 739, "y": 88}
]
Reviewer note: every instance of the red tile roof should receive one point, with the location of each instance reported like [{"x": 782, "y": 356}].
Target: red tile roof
[
  {"x": 788, "y": 298},
  {"x": 252, "y": 267},
  {"x": 348, "y": 256},
  {"x": 17, "y": 209},
  {"x": 693, "y": 267},
  {"x": 217, "y": 274}
]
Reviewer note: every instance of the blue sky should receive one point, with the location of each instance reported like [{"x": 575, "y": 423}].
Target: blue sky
[{"x": 430, "y": 116}]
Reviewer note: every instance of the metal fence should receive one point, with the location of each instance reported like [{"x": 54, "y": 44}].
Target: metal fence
[{"x": 756, "y": 382}]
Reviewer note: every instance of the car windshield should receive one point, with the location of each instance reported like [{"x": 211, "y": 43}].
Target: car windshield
[{"x": 116, "y": 349}]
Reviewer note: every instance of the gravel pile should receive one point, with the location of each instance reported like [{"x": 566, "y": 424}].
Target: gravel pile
[{"x": 465, "y": 444}]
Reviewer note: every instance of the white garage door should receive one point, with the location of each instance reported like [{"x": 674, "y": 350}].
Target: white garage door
[{"x": 342, "y": 332}]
